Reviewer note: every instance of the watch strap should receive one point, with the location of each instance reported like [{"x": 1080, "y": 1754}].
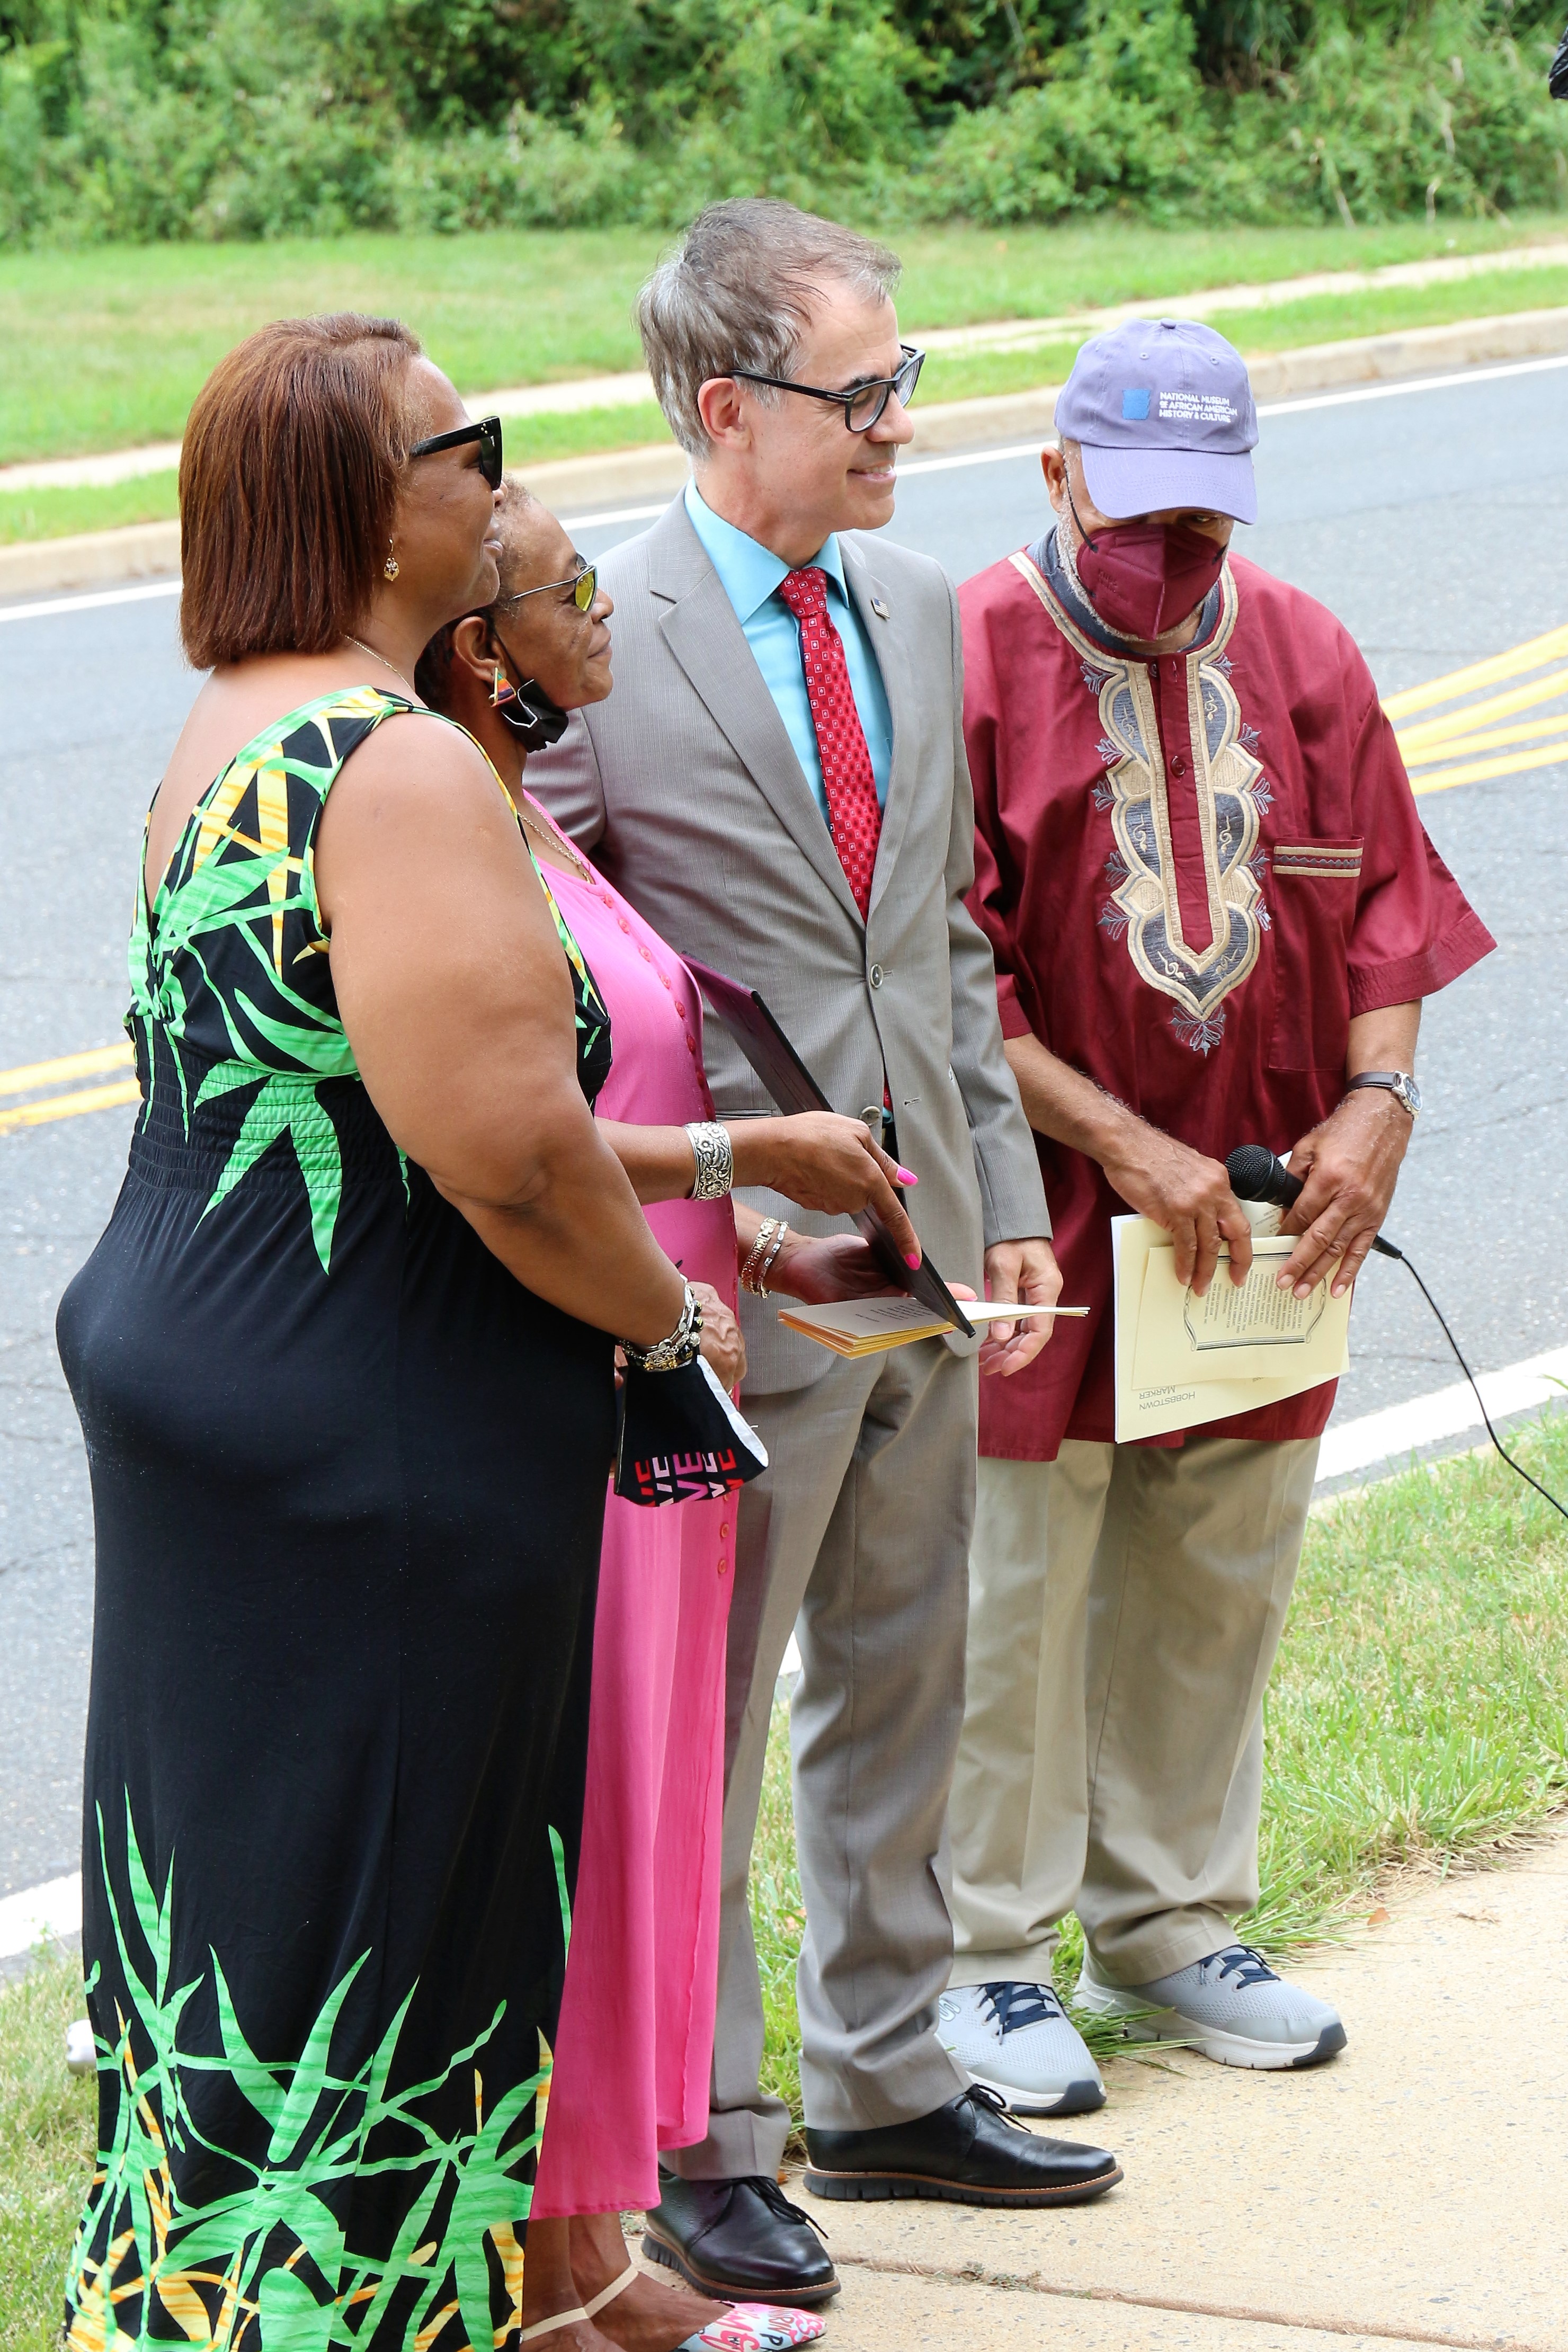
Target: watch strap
[{"x": 1397, "y": 1083}]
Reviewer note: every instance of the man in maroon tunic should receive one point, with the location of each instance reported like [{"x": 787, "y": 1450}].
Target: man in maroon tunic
[{"x": 1214, "y": 913}]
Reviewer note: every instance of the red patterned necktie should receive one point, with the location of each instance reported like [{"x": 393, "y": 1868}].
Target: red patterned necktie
[{"x": 854, "y": 818}]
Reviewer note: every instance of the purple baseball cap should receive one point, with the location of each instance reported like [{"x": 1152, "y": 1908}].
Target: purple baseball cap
[{"x": 1163, "y": 414}]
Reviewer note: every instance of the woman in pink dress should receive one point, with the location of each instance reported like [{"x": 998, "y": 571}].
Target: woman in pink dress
[{"x": 635, "y": 2041}]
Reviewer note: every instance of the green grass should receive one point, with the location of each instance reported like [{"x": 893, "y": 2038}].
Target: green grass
[
  {"x": 47, "y": 2119},
  {"x": 1419, "y": 1712},
  {"x": 58, "y": 514},
  {"x": 105, "y": 348}
]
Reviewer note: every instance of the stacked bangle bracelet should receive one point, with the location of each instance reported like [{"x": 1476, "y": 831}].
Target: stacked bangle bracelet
[
  {"x": 683, "y": 1343},
  {"x": 763, "y": 1256},
  {"x": 715, "y": 1160}
]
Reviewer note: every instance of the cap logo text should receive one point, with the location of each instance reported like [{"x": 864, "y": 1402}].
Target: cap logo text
[{"x": 1195, "y": 408}]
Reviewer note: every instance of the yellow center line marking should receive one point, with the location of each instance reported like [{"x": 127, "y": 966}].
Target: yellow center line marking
[
  {"x": 1512, "y": 763},
  {"x": 125, "y": 1090},
  {"x": 1455, "y": 735},
  {"x": 1413, "y": 740},
  {"x": 1532, "y": 655},
  {"x": 1493, "y": 738},
  {"x": 22, "y": 1080}
]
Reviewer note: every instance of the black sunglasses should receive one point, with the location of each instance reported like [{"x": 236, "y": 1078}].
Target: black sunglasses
[
  {"x": 863, "y": 404},
  {"x": 487, "y": 433},
  {"x": 584, "y": 584}
]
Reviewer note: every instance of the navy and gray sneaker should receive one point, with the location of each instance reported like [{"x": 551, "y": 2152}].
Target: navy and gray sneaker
[
  {"x": 1020, "y": 2041},
  {"x": 1231, "y": 2006}
]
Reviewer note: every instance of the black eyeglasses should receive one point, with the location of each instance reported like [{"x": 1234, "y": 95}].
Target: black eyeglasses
[
  {"x": 584, "y": 584},
  {"x": 863, "y": 404},
  {"x": 487, "y": 433}
]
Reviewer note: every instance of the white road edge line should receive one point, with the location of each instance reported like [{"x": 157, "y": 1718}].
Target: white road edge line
[
  {"x": 1403, "y": 1429},
  {"x": 89, "y": 603},
  {"x": 55, "y": 1909},
  {"x": 914, "y": 465},
  {"x": 38, "y": 1912}
]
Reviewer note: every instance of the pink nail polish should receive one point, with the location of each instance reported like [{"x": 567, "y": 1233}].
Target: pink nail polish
[
  {"x": 910, "y": 1261},
  {"x": 907, "y": 1176}
]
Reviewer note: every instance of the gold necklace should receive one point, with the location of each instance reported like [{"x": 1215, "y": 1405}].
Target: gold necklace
[
  {"x": 557, "y": 841},
  {"x": 371, "y": 650}
]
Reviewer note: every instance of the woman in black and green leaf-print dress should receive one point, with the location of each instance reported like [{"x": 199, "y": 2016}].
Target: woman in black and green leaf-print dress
[{"x": 343, "y": 1363}]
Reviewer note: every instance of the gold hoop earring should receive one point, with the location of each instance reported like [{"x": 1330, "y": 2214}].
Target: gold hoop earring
[{"x": 390, "y": 568}]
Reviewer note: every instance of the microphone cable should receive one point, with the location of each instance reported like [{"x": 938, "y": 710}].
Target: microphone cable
[{"x": 1258, "y": 1174}]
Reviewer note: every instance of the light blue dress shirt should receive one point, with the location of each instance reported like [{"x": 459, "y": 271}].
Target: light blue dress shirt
[{"x": 750, "y": 574}]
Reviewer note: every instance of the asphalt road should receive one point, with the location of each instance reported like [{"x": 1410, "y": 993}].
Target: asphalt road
[{"x": 1434, "y": 523}]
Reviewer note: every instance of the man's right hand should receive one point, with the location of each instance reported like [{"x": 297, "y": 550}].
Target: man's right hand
[
  {"x": 1181, "y": 1189},
  {"x": 1190, "y": 1195}
]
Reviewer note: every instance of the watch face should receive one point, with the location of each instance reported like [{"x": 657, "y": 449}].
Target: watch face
[{"x": 1409, "y": 1094}]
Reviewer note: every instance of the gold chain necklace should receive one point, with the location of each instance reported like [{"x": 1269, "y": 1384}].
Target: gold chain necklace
[
  {"x": 557, "y": 840},
  {"x": 371, "y": 650}
]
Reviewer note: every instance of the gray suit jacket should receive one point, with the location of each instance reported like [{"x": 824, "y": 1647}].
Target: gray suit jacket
[{"x": 687, "y": 790}]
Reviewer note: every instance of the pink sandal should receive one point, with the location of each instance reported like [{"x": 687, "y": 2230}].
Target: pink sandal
[{"x": 756, "y": 2328}]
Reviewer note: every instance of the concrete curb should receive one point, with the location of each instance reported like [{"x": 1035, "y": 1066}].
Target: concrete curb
[
  {"x": 145, "y": 550},
  {"x": 96, "y": 559}
]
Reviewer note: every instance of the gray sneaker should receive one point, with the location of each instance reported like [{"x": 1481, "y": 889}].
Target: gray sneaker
[
  {"x": 1231, "y": 2006},
  {"x": 1018, "y": 2041}
]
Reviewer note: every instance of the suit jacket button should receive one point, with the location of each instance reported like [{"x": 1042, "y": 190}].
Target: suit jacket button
[{"x": 876, "y": 975}]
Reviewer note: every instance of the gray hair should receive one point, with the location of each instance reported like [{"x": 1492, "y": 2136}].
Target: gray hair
[{"x": 738, "y": 294}]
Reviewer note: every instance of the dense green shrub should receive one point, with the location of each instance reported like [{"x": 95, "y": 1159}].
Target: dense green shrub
[
  {"x": 1121, "y": 118},
  {"x": 1449, "y": 111},
  {"x": 151, "y": 118}
]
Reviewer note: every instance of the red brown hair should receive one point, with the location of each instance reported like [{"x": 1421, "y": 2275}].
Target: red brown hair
[{"x": 288, "y": 486}]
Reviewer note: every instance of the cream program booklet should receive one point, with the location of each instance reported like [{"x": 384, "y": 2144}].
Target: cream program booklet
[
  {"x": 865, "y": 1327},
  {"x": 1182, "y": 1361}
]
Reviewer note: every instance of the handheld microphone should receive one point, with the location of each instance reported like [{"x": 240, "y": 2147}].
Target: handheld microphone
[{"x": 1258, "y": 1174}]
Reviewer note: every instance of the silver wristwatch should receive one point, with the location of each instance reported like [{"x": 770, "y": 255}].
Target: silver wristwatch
[{"x": 1398, "y": 1083}]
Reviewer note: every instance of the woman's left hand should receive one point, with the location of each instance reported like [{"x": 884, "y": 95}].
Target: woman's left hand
[
  {"x": 820, "y": 1269},
  {"x": 722, "y": 1342}
]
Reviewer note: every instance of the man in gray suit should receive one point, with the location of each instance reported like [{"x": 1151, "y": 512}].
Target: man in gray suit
[{"x": 779, "y": 783}]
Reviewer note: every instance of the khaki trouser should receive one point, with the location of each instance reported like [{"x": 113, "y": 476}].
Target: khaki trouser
[{"x": 1125, "y": 1604}]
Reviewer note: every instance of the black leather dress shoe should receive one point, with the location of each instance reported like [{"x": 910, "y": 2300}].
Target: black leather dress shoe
[
  {"x": 741, "y": 2240},
  {"x": 970, "y": 2152}
]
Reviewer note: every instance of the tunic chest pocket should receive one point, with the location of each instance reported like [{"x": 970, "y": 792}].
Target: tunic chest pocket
[{"x": 1313, "y": 904}]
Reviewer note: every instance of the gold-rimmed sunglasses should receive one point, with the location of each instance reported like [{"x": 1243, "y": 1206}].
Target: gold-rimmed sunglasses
[{"x": 584, "y": 584}]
